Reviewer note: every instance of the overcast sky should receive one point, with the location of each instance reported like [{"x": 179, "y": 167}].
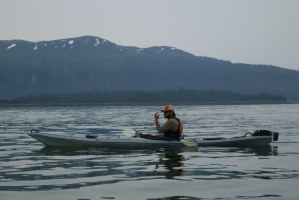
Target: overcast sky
[{"x": 246, "y": 31}]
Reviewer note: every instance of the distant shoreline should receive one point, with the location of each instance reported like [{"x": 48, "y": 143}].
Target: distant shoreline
[{"x": 132, "y": 104}]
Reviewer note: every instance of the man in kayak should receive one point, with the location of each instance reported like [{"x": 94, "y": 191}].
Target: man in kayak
[{"x": 173, "y": 128}]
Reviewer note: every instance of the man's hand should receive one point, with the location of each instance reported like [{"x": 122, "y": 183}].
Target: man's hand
[{"x": 157, "y": 116}]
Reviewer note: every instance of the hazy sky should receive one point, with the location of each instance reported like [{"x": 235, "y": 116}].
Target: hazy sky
[{"x": 247, "y": 31}]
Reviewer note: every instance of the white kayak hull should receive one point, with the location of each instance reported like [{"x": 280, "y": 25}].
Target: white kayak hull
[
  {"x": 139, "y": 142},
  {"x": 102, "y": 141},
  {"x": 249, "y": 141}
]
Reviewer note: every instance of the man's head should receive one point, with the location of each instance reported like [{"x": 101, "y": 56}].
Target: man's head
[{"x": 168, "y": 111}]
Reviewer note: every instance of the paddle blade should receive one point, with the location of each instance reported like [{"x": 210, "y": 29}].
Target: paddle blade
[
  {"x": 190, "y": 142},
  {"x": 128, "y": 132}
]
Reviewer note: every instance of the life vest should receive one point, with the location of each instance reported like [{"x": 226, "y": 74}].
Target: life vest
[
  {"x": 180, "y": 127},
  {"x": 178, "y": 133}
]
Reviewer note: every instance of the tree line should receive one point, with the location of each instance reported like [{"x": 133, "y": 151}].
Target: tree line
[{"x": 163, "y": 96}]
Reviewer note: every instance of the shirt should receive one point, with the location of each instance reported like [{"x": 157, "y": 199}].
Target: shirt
[{"x": 171, "y": 125}]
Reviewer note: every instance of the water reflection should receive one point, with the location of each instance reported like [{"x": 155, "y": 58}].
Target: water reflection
[
  {"x": 264, "y": 151},
  {"x": 176, "y": 198},
  {"x": 172, "y": 163},
  {"x": 217, "y": 198},
  {"x": 68, "y": 151},
  {"x": 269, "y": 150},
  {"x": 169, "y": 162}
]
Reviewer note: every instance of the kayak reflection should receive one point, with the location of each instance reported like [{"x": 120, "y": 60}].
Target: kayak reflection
[
  {"x": 269, "y": 150},
  {"x": 67, "y": 151}
]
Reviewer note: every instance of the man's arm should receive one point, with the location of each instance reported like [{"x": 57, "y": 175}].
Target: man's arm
[{"x": 158, "y": 126}]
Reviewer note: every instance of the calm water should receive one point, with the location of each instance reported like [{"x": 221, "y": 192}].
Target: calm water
[{"x": 30, "y": 171}]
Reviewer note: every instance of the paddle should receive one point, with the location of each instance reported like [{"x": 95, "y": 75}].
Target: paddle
[
  {"x": 189, "y": 142},
  {"x": 128, "y": 132}
]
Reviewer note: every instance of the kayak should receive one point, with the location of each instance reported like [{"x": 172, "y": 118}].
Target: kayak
[
  {"x": 111, "y": 141},
  {"x": 257, "y": 139}
]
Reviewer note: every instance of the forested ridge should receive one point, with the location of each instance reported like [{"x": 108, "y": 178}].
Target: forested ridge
[{"x": 148, "y": 97}]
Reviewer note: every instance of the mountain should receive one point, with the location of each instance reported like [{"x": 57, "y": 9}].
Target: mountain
[{"x": 87, "y": 64}]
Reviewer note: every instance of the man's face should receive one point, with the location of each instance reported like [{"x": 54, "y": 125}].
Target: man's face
[{"x": 167, "y": 114}]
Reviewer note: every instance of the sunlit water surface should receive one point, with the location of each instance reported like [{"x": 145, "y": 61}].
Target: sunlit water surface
[{"x": 29, "y": 171}]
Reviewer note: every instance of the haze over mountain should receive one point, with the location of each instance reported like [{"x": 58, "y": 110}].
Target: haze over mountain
[{"x": 88, "y": 63}]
